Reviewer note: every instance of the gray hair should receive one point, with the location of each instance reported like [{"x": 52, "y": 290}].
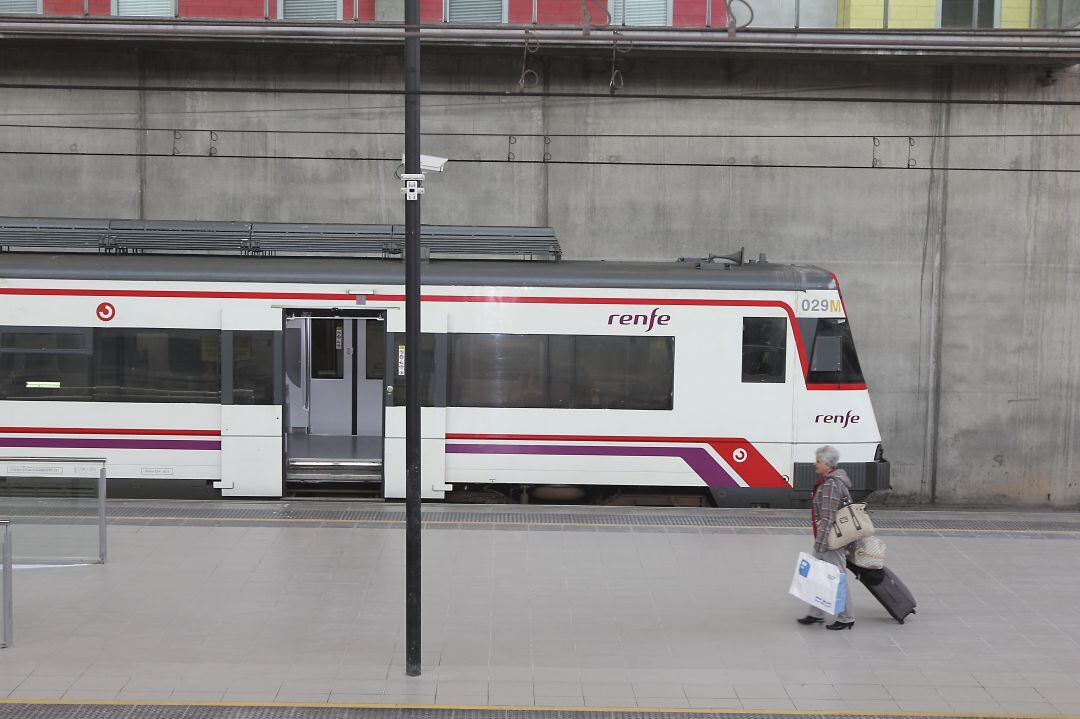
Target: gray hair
[{"x": 829, "y": 454}]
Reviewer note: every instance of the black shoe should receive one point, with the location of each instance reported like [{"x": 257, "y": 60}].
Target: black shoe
[
  {"x": 839, "y": 625},
  {"x": 809, "y": 619}
]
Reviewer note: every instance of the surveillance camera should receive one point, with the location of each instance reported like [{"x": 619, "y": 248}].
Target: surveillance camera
[{"x": 430, "y": 163}]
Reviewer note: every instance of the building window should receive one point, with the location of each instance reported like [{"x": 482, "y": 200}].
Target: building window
[
  {"x": 309, "y": 9},
  {"x": 967, "y": 13},
  {"x": 764, "y": 349},
  {"x": 144, "y": 8},
  {"x": 474, "y": 11},
  {"x": 11, "y": 7},
  {"x": 640, "y": 12}
]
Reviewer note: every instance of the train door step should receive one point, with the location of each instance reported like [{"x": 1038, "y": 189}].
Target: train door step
[{"x": 333, "y": 471}]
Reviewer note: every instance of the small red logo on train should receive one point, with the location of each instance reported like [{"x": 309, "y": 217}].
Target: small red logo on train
[
  {"x": 106, "y": 311},
  {"x": 739, "y": 455}
]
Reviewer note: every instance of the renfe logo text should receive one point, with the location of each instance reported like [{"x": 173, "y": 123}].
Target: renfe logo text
[
  {"x": 841, "y": 419},
  {"x": 648, "y": 321}
]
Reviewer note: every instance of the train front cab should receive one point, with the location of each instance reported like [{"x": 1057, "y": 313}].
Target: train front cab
[{"x": 835, "y": 407}]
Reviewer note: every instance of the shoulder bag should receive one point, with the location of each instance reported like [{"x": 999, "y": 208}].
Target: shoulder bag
[{"x": 852, "y": 522}]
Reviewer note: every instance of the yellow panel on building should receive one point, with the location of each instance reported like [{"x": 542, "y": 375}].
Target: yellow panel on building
[{"x": 918, "y": 14}]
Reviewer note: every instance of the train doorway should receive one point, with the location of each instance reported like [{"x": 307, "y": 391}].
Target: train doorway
[{"x": 334, "y": 368}]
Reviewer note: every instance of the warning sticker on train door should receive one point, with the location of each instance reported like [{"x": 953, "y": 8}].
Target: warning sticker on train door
[{"x": 401, "y": 360}]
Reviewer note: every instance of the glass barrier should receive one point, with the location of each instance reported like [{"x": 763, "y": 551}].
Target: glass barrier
[
  {"x": 5, "y": 584},
  {"x": 56, "y": 507}
]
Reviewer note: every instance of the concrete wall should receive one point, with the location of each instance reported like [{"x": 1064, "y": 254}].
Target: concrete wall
[{"x": 963, "y": 286}]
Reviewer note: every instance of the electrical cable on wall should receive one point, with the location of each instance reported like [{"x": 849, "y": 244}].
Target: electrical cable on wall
[{"x": 529, "y": 78}]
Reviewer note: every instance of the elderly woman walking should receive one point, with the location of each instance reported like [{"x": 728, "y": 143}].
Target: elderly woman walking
[{"x": 831, "y": 491}]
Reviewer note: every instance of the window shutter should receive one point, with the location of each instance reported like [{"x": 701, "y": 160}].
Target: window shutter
[
  {"x": 11, "y": 6},
  {"x": 310, "y": 10},
  {"x": 639, "y": 12},
  {"x": 145, "y": 8},
  {"x": 476, "y": 11}
]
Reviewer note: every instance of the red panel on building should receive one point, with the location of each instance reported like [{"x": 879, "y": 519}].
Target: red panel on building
[{"x": 74, "y": 7}]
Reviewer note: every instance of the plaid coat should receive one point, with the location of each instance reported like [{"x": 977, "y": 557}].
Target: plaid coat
[{"x": 831, "y": 493}]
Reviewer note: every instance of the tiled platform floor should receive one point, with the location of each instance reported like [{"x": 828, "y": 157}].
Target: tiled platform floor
[{"x": 546, "y": 616}]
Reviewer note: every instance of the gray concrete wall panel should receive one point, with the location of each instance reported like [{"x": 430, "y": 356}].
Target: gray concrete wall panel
[{"x": 962, "y": 284}]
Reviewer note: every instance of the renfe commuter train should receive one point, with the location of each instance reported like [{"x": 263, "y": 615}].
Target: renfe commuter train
[{"x": 256, "y": 376}]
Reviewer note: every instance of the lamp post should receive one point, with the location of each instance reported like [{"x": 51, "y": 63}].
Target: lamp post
[{"x": 412, "y": 187}]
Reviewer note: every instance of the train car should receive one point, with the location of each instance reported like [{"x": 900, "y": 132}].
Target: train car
[{"x": 260, "y": 377}]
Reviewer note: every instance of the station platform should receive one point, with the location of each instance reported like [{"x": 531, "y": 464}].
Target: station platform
[{"x": 296, "y": 609}]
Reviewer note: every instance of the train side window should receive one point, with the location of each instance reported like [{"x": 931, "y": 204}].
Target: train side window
[
  {"x": 253, "y": 367},
  {"x": 498, "y": 370},
  {"x": 427, "y": 369},
  {"x": 833, "y": 359},
  {"x": 764, "y": 349},
  {"x": 327, "y": 349},
  {"x": 157, "y": 365},
  {"x": 624, "y": 372},
  {"x": 48, "y": 364},
  {"x": 375, "y": 345}
]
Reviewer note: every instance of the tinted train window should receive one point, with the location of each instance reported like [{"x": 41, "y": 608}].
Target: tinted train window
[
  {"x": 427, "y": 369},
  {"x": 253, "y": 367},
  {"x": 498, "y": 370},
  {"x": 46, "y": 364},
  {"x": 157, "y": 365},
  {"x": 624, "y": 372},
  {"x": 375, "y": 346},
  {"x": 764, "y": 349},
  {"x": 327, "y": 349},
  {"x": 561, "y": 371},
  {"x": 832, "y": 358}
]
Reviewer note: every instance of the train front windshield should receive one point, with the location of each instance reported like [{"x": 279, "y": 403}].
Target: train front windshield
[{"x": 831, "y": 352}]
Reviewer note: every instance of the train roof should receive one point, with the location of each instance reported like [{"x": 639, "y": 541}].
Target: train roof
[{"x": 340, "y": 270}]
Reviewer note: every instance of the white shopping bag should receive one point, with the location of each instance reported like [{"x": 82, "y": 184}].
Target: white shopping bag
[{"x": 819, "y": 584}]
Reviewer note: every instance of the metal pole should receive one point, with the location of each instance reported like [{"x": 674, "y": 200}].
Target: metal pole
[
  {"x": 708, "y": 13},
  {"x": 102, "y": 534},
  {"x": 6, "y": 599},
  {"x": 412, "y": 342}
]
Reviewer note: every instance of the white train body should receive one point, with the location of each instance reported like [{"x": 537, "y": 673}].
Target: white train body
[{"x": 542, "y": 373}]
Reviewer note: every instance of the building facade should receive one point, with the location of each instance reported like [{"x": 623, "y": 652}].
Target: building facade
[{"x": 849, "y": 14}]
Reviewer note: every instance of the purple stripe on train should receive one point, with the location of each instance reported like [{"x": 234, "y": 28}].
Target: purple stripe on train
[
  {"x": 91, "y": 443},
  {"x": 698, "y": 459}
]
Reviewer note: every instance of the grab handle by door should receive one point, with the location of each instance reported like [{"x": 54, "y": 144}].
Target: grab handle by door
[{"x": 307, "y": 368}]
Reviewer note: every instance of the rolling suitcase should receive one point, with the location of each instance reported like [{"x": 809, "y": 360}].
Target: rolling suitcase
[{"x": 887, "y": 589}]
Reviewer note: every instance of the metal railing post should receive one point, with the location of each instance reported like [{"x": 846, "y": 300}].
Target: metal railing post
[
  {"x": 708, "y": 13},
  {"x": 9, "y": 631},
  {"x": 885, "y": 15},
  {"x": 102, "y": 534}
]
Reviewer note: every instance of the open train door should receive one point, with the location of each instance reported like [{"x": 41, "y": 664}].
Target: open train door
[
  {"x": 334, "y": 370},
  {"x": 433, "y": 372}
]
